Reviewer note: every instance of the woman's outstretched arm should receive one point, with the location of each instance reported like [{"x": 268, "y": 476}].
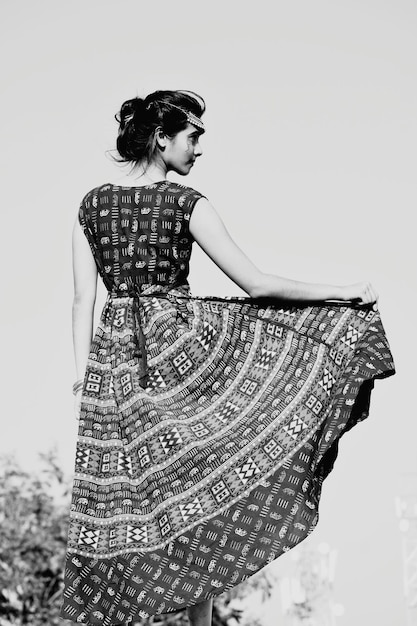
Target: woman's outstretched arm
[
  {"x": 210, "y": 233},
  {"x": 85, "y": 289}
]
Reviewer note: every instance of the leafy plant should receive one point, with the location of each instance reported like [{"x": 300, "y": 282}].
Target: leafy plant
[
  {"x": 34, "y": 520},
  {"x": 33, "y": 538}
]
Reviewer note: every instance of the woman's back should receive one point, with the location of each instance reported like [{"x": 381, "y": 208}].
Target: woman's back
[{"x": 139, "y": 236}]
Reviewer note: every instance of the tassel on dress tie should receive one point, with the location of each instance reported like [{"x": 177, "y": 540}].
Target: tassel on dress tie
[{"x": 143, "y": 374}]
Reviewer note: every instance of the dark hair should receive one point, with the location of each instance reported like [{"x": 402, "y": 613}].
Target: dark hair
[{"x": 139, "y": 118}]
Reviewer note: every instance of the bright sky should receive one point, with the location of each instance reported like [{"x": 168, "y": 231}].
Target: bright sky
[{"x": 310, "y": 158}]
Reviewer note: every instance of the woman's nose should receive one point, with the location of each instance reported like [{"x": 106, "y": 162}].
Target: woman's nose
[{"x": 197, "y": 150}]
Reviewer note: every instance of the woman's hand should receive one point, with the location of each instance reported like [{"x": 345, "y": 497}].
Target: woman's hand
[
  {"x": 363, "y": 292},
  {"x": 77, "y": 404}
]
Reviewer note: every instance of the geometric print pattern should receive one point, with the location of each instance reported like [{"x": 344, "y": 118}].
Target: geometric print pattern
[
  {"x": 247, "y": 470},
  {"x": 190, "y": 483},
  {"x": 170, "y": 439},
  {"x": 295, "y": 427}
]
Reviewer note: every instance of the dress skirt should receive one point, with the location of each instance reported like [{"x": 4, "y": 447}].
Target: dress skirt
[{"x": 207, "y": 427}]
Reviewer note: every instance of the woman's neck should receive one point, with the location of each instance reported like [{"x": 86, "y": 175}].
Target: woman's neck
[{"x": 153, "y": 173}]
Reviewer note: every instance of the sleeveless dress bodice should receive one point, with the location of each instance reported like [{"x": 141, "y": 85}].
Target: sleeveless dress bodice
[{"x": 139, "y": 236}]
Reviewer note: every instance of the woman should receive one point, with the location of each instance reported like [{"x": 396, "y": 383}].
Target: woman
[{"x": 207, "y": 424}]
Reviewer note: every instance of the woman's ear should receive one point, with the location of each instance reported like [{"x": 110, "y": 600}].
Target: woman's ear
[{"x": 160, "y": 138}]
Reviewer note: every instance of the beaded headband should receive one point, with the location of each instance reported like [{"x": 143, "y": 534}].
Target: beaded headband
[{"x": 191, "y": 118}]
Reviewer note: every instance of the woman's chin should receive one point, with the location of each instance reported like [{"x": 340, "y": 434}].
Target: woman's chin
[{"x": 183, "y": 171}]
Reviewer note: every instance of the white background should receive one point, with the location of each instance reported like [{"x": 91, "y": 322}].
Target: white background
[{"x": 310, "y": 158}]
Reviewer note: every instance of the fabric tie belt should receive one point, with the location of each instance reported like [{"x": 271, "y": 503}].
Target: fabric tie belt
[
  {"x": 143, "y": 374},
  {"x": 137, "y": 296}
]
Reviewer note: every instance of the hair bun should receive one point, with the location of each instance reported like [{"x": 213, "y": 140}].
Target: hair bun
[
  {"x": 130, "y": 109},
  {"x": 139, "y": 105}
]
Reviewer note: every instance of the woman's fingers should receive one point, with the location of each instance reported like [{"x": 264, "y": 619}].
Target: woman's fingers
[
  {"x": 364, "y": 293},
  {"x": 369, "y": 294},
  {"x": 374, "y": 298}
]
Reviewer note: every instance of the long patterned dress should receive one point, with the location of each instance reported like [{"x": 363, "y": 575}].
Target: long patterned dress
[{"x": 207, "y": 424}]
